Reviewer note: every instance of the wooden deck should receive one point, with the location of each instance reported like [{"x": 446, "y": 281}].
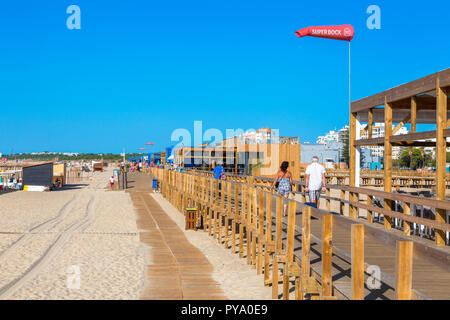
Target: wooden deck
[{"x": 177, "y": 269}]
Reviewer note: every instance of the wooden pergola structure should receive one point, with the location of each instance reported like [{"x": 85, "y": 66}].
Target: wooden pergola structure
[{"x": 423, "y": 101}]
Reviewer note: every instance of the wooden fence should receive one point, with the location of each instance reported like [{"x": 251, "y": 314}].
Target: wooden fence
[{"x": 248, "y": 219}]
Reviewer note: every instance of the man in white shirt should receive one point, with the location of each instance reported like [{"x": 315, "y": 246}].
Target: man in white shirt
[{"x": 315, "y": 180}]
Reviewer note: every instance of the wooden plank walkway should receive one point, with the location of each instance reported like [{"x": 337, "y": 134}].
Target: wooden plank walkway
[{"x": 177, "y": 269}]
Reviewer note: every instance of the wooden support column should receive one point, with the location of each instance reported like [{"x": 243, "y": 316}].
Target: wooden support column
[
  {"x": 352, "y": 160},
  {"x": 357, "y": 273},
  {"x": 441, "y": 156},
  {"x": 403, "y": 270},
  {"x": 413, "y": 114},
  {"x": 387, "y": 159}
]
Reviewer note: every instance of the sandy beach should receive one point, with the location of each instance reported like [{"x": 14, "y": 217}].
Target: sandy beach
[{"x": 50, "y": 239}]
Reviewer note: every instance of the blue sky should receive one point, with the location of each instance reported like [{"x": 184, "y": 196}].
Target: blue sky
[{"x": 139, "y": 69}]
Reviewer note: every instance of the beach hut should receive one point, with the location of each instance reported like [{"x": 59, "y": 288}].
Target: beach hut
[{"x": 38, "y": 177}]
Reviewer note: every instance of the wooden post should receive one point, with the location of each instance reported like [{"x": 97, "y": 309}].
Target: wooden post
[
  {"x": 306, "y": 241},
  {"x": 328, "y": 200},
  {"x": 441, "y": 156},
  {"x": 387, "y": 160},
  {"x": 413, "y": 114},
  {"x": 369, "y": 212},
  {"x": 236, "y": 217},
  {"x": 406, "y": 224},
  {"x": 260, "y": 231},
  {"x": 404, "y": 268},
  {"x": 327, "y": 254},
  {"x": 254, "y": 226},
  {"x": 241, "y": 222},
  {"x": 342, "y": 204},
  {"x": 248, "y": 224},
  {"x": 357, "y": 273},
  {"x": 269, "y": 240},
  {"x": 289, "y": 247},
  {"x": 278, "y": 246}
]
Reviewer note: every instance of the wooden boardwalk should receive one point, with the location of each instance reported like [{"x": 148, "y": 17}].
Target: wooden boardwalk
[
  {"x": 177, "y": 269},
  {"x": 430, "y": 268}
]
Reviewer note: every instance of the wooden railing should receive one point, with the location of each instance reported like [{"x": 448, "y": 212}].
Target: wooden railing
[
  {"x": 407, "y": 216},
  {"x": 400, "y": 178},
  {"x": 240, "y": 211}
]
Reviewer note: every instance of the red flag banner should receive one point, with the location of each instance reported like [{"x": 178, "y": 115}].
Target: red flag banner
[
  {"x": 141, "y": 149},
  {"x": 343, "y": 32},
  {"x": 149, "y": 143}
]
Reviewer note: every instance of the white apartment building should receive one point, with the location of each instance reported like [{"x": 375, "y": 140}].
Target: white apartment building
[
  {"x": 332, "y": 136},
  {"x": 378, "y": 132}
]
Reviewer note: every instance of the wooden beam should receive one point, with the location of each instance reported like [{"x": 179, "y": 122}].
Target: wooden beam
[
  {"x": 404, "y": 91},
  {"x": 387, "y": 158},
  {"x": 401, "y": 124},
  {"x": 369, "y": 142},
  {"x": 413, "y": 114},
  {"x": 403, "y": 270},
  {"x": 441, "y": 156}
]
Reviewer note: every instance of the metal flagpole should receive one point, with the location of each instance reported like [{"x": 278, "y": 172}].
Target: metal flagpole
[{"x": 349, "y": 75}]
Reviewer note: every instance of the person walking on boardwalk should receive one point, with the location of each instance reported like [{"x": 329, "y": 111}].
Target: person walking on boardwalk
[
  {"x": 283, "y": 182},
  {"x": 111, "y": 182},
  {"x": 315, "y": 180},
  {"x": 218, "y": 170}
]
